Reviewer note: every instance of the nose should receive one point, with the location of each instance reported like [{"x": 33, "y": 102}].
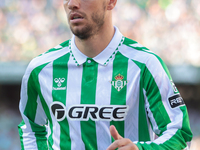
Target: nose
[{"x": 73, "y": 4}]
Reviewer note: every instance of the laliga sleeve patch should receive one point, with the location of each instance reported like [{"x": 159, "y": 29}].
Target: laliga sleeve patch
[{"x": 175, "y": 101}]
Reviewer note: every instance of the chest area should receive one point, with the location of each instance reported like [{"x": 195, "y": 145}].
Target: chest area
[{"x": 99, "y": 93}]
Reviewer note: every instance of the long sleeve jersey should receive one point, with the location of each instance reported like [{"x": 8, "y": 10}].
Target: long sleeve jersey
[{"x": 68, "y": 101}]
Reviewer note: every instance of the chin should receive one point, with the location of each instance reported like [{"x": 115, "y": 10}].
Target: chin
[{"x": 82, "y": 33}]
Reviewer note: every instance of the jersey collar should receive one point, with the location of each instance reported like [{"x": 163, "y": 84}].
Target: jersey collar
[{"x": 102, "y": 58}]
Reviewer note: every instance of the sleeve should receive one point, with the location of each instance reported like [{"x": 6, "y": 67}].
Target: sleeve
[
  {"x": 165, "y": 108},
  {"x": 32, "y": 129}
]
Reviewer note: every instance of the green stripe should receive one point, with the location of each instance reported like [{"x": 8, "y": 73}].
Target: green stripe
[
  {"x": 155, "y": 101},
  {"x": 60, "y": 72},
  {"x": 42, "y": 143},
  {"x": 128, "y": 42},
  {"x": 152, "y": 91},
  {"x": 176, "y": 142},
  {"x": 154, "y": 98},
  {"x": 88, "y": 95},
  {"x": 120, "y": 66},
  {"x": 64, "y": 44},
  {"x": 167, "y": 72},
  {"x": 47, "y": 112},
  {"x": 33, "y": 90},
  {"x": 21, "y": 134},
  {"x": 187, "y": 134},
  {"x": 143, "y": 128}
]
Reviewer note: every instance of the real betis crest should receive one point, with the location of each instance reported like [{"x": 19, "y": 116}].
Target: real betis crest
[{"x": 119, "y": 83}]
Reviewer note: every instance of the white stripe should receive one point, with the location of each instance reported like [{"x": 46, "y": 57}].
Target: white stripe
[
  {"x": 150, "y": 114},
  {"x": 56, "y": 134},
  {"x": 131, "y": 122},
  {"x": 45, "y": 58},
  {"x": 46, "y": 84},
  {"x": 40, "y": 117},
  {"x": 163, "y": 82},
  {"x": 166, "y": 136},
  {"x": 58, "y": 46},
  {"x": 73, "y": 98},
  {"x": 48, "y": 131},
  {"x": 166, "y": 90},
  {"x": 23, "y": 94},
  {"x": 29, "y": 139},
  {"x": 32, "y": 65},
  {"x": 103, "y": 96},
  {"x": 136, "y": 45}
]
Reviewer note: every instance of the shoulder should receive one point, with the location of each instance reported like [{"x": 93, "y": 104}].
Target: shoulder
[
  {"x": 143, "y": 57},
  {"x": 137, "y": 52},
  {"x": 58, "y": 47},
  {"x": 48, "y": 56}
]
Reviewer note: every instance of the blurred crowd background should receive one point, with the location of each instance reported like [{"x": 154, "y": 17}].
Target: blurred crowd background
[{"x": 170, "y": 28}]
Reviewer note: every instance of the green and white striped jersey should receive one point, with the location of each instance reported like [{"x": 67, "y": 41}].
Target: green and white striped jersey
[{"x": 68, "y": 101}]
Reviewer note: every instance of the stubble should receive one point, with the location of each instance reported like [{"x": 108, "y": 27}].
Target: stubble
[{"x": 91, "y": 29}]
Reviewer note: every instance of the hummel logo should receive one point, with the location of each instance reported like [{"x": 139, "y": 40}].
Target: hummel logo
[{"x": 59, "y": 82}]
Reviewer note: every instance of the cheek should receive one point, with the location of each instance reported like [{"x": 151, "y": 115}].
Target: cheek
[{"x": 65, "y": 7}]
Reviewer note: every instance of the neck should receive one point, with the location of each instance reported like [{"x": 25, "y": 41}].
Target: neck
[{"x": 94, "y": 45}]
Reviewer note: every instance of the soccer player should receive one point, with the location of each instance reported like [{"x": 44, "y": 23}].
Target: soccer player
[{"x": 100, "y": 90}]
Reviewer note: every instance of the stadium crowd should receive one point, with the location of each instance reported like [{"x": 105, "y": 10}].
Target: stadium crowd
[{"x": 169, "y": 28}]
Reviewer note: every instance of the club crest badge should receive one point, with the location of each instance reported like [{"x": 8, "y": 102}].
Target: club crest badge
[{"x": 119, "y": 83}]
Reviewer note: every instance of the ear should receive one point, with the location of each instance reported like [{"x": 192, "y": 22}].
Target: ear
[{"x": 111, "y": 4}]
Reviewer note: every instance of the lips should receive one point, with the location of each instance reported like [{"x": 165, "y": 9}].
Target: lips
[{"x": 74, "y": 16}]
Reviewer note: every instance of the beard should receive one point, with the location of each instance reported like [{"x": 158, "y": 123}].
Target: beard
[{"x": 92, "y": 28}]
